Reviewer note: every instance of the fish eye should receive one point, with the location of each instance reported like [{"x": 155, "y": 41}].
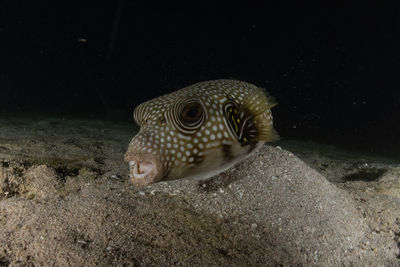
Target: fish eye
[
  {"x": 191, "y": 113},
  {"x": 188, "y": 115}
]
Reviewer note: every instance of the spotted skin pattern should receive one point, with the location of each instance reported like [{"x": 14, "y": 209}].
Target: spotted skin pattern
[{"x": 199, "y": 131}]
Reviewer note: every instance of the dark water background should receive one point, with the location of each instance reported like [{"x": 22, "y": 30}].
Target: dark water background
[{"x": 334, "y": 68}]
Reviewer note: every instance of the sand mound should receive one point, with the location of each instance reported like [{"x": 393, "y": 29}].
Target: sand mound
[{"x": 271, "y": 208}]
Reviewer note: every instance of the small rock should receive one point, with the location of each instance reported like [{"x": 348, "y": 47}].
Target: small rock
[{"x": 174, "y": 193}]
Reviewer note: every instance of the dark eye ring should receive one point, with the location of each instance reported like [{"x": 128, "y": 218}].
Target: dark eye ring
[
  {"x": 187, "y": 115},
  {"x": 191, "y": 113}
]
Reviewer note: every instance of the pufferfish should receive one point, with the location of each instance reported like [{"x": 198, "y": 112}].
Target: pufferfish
[{"x": 199, "y": 131}]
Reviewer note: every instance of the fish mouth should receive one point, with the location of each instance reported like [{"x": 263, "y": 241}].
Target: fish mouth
[
  {"x": 140, "y": 169},
  {"x": 144, "y": 169}
]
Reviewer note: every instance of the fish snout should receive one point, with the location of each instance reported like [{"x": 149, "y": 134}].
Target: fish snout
[{"x": 144, "y": 168}]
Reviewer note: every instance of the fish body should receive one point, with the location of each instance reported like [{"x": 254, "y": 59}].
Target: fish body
[{"x": 199, "y": 131}]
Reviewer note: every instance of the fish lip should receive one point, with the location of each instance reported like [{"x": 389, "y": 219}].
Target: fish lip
[
  {"x": 144, "y": 169},
  {"x": 140, "y": 169}
]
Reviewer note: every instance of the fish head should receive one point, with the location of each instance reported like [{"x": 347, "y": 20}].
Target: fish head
[{"x": 198, "y": 131}]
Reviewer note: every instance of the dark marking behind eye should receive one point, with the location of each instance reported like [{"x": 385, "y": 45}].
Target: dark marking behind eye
[
  {"x": 241, "y": 123},
  {"x": 227, "y": 152}
]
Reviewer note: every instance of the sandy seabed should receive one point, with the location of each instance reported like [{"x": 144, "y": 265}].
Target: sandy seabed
[{"x": 66, "y": 199}]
